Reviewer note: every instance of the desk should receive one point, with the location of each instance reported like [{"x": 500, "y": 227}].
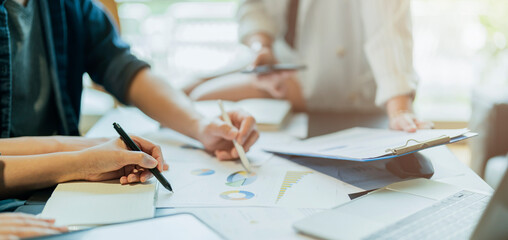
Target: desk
[{"x": 319, "y": 123}]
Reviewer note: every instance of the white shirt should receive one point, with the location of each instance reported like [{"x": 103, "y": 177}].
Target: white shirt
[{"x": 358, "y": 52}]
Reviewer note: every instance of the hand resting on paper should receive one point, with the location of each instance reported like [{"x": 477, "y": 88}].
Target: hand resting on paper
[{"x": 19, "y": 225}]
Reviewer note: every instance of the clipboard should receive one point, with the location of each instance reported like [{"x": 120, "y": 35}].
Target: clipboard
[{"x": 368, "y": 144}]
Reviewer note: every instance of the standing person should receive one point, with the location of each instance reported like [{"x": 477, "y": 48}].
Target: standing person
[
  {"x": 358, "y": 55},
  {"x": 47, "y": 46}
]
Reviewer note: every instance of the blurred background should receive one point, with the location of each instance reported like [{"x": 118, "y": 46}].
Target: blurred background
[{"x": 460, "y": 54}]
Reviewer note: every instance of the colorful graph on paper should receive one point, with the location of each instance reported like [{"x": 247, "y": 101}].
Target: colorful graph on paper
[
  {"x": 291, "y": 178},
  {"x": 240, "y": 178}
]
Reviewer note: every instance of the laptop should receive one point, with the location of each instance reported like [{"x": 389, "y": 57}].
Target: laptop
[{"x": 415, "y": 209}]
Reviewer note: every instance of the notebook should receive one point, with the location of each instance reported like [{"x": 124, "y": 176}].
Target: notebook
[
  {"x": 270, "y": 114},
  {"x": 82, "y": 204}
]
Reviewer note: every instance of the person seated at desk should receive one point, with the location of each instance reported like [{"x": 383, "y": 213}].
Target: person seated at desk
[
  {"x": 47, "y": 46},
  {"x": 56, "y": 159},
  {"x": 358, "y": 56}
]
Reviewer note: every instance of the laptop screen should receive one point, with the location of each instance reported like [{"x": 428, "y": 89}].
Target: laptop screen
[{"x": 493, "y": 223}]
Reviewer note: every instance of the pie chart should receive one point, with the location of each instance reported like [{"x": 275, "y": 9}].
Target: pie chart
[
  {"x": 202, "y": 172},
  {"x": 240, "y": 178},
  {"x": 237, "y": 195}
]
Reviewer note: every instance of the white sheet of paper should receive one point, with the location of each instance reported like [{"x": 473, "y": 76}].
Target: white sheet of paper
[
  {"x": 251, "y": 222},
  {"x": 204, "y": 181},
  {"x": 360, "y": 143},
  {"x": 96, "y": 203}
]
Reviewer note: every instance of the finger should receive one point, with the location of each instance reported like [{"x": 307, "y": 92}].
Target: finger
[
  {"x": 223, "y": 155},
  {"x": 139, "y": 158},
  {"x": 224, "y": 130},
  {"x": 424, "y": 125},
  {"x": 246, "y": 122},
  {"x": 123, "y": 180},
  {"x": 408, "y": 124},
  {"x": 145, "y": 176},
  {"x": 166, "y": 167},
  {"x": 254, "y": 136},
  {"x": 152, "y": 149},
  {"x": 26, "y": 222},
  {"x": 25, "y": 232},
  {"x": 133, "y": 178},
  {"x": 128, "y": 169},
  {"x": 16, "y": 219}
]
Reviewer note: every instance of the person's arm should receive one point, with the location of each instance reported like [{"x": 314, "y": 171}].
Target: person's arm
[
  {"x": 110, "y": 160},
  {"x": 173, "y": 109},
  {"x": 257, "y": 30},
  {"x": 110, "y": 64},
  {"x": 389, "y": 50},
  {"x": 50, "y": 144}
]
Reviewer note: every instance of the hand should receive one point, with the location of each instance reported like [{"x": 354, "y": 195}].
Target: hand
[
  {"x": 216, "y": 135},
  {"x": 112, "y": 160},
  {"x": 399, "y": 109},
  {"x": 18, "y": 225},
  {"x": 408, "y": 122},
  {"x": 275, "y": 83}
]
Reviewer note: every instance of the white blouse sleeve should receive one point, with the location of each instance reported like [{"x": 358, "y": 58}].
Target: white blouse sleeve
[
  {"x": 389, "y": 47},
  {"x": 253, "y": 18}
]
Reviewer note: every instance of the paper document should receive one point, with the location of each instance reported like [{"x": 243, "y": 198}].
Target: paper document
[
  {"x": 250, "y": 222},
  {"x": 200, "y": 180},
  {"x": 97, "y": 203},
  {"x": 364, "y": 144}
]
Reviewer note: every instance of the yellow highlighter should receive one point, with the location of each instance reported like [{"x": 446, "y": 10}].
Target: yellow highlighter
[{"x": 238, "y": 147}]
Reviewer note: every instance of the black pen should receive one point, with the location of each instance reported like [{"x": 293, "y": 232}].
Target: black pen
[{"x": 130, "y": 144}]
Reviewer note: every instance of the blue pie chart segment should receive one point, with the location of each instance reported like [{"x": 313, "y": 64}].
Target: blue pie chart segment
[{"x": 240, "y": 178}]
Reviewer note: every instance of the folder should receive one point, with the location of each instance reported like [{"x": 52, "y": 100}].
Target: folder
[{"x": 370, "y": 144}]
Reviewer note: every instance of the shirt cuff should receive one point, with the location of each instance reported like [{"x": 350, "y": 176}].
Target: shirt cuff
[{"x": 392, "y": 86}]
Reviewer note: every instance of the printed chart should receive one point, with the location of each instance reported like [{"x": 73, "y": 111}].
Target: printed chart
[
  {"x": 291, "y": 178},
  {"x": 237, "y": 195},
  {"x": 202, "y": 172},
  {"x": 240, "y": 178}
]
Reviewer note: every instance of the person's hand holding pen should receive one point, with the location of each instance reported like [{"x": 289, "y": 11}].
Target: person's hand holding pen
[
  {"x": 216, "y": 135},
  {"x": 113, "y": 160}
]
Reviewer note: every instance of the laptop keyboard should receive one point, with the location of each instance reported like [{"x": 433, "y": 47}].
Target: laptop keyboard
[{"x": 452, "y": 218}]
